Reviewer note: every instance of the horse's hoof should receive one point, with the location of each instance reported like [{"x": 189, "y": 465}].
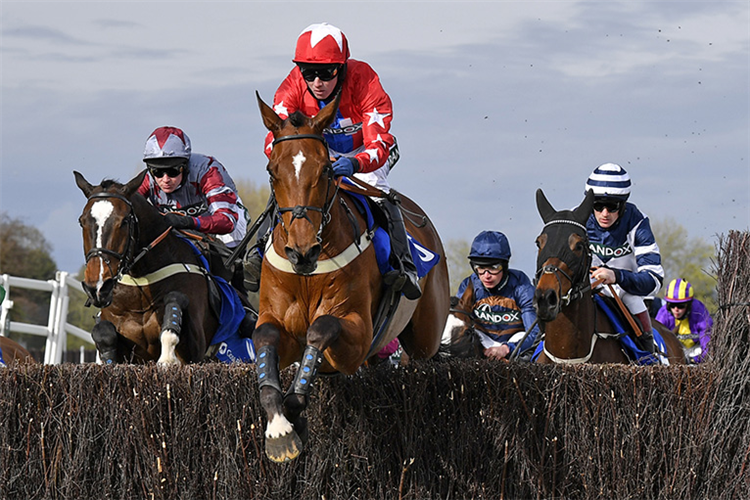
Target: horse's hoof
[{"x": 285, "y": 448}]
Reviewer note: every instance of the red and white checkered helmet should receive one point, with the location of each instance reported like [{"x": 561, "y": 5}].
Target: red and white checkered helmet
[
  {"x": 321, "y": 44},
  {"x": 167, "y": 142}
]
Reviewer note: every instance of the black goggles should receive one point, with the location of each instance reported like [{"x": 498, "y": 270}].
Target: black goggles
[
  {"x": 325, "y": 73},
  {"x": 172, "y": 172},
  {"x": 677, "y": 305},
  {"x": 611, "y": 206}
]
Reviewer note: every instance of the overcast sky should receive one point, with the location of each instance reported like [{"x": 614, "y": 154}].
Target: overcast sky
[{"x": 491, "y": 101}]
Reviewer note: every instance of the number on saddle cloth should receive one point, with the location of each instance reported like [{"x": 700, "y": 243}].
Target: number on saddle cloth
[{"x": 424, "y": 259}]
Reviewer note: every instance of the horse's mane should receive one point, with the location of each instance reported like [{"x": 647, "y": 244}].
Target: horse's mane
[
  {"x": 297, "y": 119},
  {"x": 108, "y": 183}
]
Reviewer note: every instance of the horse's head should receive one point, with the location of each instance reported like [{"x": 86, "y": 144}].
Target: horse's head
[
  {"x": 302, "y": 180},
  {"x": 109, "y": 234},
  {"x": 564, "y": 258}
]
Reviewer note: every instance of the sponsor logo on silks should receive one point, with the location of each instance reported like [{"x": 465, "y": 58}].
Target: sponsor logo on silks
[
  {"x": 346, "y": 129},
  {"x": 607, "y": 253},
  {"x": 192, "y": 210},
  {"x": 485, "y": 313}
]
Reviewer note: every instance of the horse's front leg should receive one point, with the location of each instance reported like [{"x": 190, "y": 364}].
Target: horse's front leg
[
  {"x": 323, "y": 332},
  {"x": 174, "y": 304},
  {"x": 282, "y": 442},
  {"x": 107, "y": 339}
]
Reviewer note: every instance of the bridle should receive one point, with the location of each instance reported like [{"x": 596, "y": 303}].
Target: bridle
[
  {"x": 126, "y": 257},
  {"x": 578, "y": 285},
  {"x": 300, "y": 211}
]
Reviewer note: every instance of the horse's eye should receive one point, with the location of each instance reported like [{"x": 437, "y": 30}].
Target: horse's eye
[{"x": 80, "y": 221}]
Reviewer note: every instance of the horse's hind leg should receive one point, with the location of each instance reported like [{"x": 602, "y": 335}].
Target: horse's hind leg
[
  {"x": 174, "y": 304},
  {"x": 106, "y": 338}
]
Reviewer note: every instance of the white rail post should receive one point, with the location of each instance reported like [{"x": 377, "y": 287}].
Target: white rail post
[{"x": 50, "y": 347}]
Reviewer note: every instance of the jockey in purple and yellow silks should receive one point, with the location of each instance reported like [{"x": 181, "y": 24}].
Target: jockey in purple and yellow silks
[
  {"x": 359, "y": 141},
  {"x": 623, "y": 247},
  {"x": 688, "y": 318},
  {"x": 503, "y": 298}
]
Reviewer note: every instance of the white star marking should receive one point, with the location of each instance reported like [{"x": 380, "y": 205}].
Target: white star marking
[
  {"x": 374, "y": 154},
  {"x": 376, "y": 117},
  {"x": 319, "y": 31},
  {"x": 297, "y": 161},
  {"x": 281, "y": 109}
]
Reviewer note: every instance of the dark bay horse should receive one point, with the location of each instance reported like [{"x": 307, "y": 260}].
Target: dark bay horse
[
  {"x": 321, "y": 286},
  {"x": 575, "y": 331},
  {"x": 12, "y": 353},
  {"x": 154, "y": 303}
]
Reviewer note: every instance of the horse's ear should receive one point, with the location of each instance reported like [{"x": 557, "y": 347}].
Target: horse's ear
[
  {"x": 466, "y": 301},
  {"x": 271, "y": 120},
  {"x": 326, "y": 115},
  {"x": 544, "y": 207},
  {"x": 583, "y": 211},
  {"x": 83, "y": 184},
  {"x": 132, "y": 186}
]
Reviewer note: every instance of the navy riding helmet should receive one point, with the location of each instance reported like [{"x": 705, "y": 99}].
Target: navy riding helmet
[{"x": 489, "y": 247}]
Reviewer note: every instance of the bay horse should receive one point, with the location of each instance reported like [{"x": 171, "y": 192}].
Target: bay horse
[
  {"x": 320, "y": 283},
  {"x": 12, "y": 353},
  {"x": 575, "y": 330},
  {"x": 154, "y": 303}
]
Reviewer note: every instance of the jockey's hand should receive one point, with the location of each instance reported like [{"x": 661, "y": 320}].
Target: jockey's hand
[
  {"x": 178, "y": 221},
  {"x": 497, "y": 352},
  {"x": 345, "y": 166},
  {"x": 604, "y": 273}
]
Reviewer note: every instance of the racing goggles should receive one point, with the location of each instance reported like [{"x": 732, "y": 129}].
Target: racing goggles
[
  {"x": 172, "y": 172},
  {"x": 493, "y": 269},
  {"x": 326, "y": 73},
  {"x": 677, "y": 305},
  {"x": 611, "y": 206}
]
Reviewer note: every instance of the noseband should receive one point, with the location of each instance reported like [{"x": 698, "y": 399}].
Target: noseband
[
  {"x": 125, "y": 257},
  {"x": 300, "y": 211}
]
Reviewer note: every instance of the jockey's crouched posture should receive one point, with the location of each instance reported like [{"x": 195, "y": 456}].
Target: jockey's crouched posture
[
  {"x": 359, "y": 140},
  {"x": 195, "y": 192},
  {"x": 623, "y": 247}
]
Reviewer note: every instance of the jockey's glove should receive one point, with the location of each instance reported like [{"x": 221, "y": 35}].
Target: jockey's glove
[
  {"x": 178, "y": 221},
  {"x": 345, "y": 166}
]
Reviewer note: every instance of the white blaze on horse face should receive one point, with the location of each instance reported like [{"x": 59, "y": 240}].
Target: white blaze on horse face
[
  {"x": 100, "y": 211},
  {"x": 297, "y": 161}
]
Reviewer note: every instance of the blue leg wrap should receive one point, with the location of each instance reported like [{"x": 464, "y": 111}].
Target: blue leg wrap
[
  {"x": 172, "y": 317},
  {"x": 267, "y": 365},
  {"x": 308, "y": 370}
]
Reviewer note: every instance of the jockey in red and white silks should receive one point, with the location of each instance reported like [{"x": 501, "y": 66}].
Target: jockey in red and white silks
[{"x": 362, "y": 125}]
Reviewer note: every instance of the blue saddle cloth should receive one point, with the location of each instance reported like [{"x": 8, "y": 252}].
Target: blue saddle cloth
[
  {"x": 232, "y": 347},
  {"x": 2, "y": 361},
  {"x": 634, "y": 352},
  {"x": 424, "y": 259}
]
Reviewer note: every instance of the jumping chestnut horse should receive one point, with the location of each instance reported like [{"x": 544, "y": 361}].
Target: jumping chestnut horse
[
  {"x": 155, "y": 303},
  {"x": 12, "y": 353},
  {"x": 575, "y": 331},
  {"x": 321, "y": 286}
]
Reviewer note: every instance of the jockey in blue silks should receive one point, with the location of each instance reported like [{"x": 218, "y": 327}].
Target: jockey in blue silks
[
  {"x": 623, "y": 247},
  {"x": 503, "y": 298}
]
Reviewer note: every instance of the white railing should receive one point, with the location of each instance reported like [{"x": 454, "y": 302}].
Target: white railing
[{"x": 57, "y": 326}]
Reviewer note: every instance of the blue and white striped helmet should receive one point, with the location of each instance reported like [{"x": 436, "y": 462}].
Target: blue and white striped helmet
[{"x": 609, "y": 180}]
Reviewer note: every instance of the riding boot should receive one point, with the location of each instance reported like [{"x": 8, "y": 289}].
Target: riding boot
[
  {"x": 405, "y": 278},
  {"x": 253, "y": 260},
  {"x": 646, "y": 340}
]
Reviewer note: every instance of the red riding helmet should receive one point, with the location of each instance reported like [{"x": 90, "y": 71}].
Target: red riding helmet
[
  {"x": 321, "y": 44},
  {"x": 167, "y": 142}
]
